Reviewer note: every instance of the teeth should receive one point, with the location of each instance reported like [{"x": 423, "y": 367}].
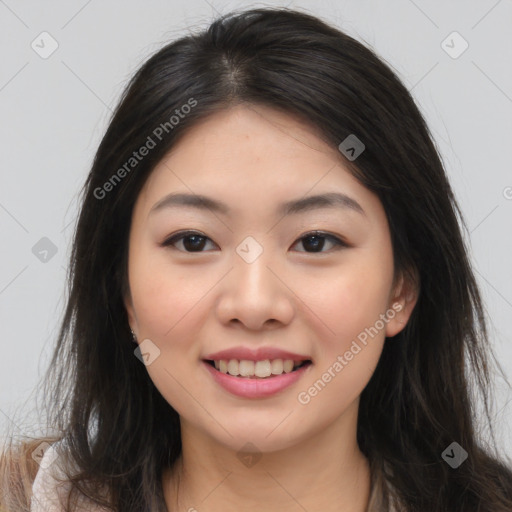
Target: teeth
[
  {"x": 233, "y": 367},
  {"x": 287, "y": 365},
  {"x": 277, "y": 366},
  {"x": 245, "y": 368},
  {"x": 261, "y": 369}
]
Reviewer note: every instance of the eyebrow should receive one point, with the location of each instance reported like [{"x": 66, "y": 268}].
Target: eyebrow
[{"x": 293, "y": 207}]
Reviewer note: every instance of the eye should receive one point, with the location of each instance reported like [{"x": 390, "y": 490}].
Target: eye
[
  {"x": 194, "y": 241},
  {"x": 316, "y": 240}
]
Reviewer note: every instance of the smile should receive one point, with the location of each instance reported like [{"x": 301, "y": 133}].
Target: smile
[
  {"x": 252, "y": 379},
  {"x": 256, "y": 369}
]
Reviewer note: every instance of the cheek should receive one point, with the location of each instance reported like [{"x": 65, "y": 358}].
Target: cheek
[
  {"x": 351, "y": 300},
  {"x": 351, "y": 305},
  {"x": 168, "y": 304},
  {"x": 165, "y": 297}
]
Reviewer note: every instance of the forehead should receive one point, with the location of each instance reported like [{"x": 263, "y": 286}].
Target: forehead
[
  {"x": 250, "y": 134},
  {"x": 249, "y": 155}
]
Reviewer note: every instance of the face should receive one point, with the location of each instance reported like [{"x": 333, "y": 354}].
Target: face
[{"x": 315, "y": 281}]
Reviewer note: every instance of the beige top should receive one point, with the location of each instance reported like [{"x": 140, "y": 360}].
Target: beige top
[{"x": 49, "y": 495}]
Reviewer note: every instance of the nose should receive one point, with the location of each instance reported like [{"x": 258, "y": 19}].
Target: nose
[{"x": 255, "y": 295}]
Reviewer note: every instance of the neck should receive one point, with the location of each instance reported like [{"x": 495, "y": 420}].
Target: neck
[{"x": 325, "y": 472}]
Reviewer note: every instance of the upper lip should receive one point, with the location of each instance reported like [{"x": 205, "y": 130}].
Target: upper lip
[{"x": 259, "y": 354}]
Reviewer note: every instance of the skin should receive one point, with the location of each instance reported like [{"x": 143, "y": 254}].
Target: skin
[{"x": 295, "y": 297}]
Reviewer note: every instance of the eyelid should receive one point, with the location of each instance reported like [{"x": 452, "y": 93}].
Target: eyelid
[
  {"x": 339, "y": 241},
  {"x": 183, "y": 234}
]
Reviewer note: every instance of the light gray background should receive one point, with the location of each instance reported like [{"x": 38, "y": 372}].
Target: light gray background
[{"x": 55, "y": 110}]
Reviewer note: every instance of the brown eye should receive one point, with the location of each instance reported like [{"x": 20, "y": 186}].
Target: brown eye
[
  {"x": 192, "y": 241},
  {"x": 316, "y": 241}
]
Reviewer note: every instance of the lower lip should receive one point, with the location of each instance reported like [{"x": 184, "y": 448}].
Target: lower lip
[{"x": 256, "y": 388}]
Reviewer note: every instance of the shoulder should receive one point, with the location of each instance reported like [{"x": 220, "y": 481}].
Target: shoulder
[{"x": 50, "y": 488}]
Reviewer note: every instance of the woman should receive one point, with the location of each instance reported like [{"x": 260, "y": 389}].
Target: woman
[{"x": 215, "y": 354}]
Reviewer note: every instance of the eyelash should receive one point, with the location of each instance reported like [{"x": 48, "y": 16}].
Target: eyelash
[{"x": 339, "y": 244}]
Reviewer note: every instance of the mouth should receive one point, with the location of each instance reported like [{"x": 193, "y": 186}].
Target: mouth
[{"x": 257, "y": 370}]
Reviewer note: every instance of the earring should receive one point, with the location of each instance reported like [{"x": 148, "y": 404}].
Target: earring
[{"x": 133, "y": 336}]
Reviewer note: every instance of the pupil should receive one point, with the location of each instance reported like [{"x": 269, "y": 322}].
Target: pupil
[
  {"x": 319, "y": 241},
  {"x": 193, "y": 246}
]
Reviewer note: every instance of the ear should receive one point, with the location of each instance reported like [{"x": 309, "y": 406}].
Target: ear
[
  {"x": 132, "y": 319},
  {"x": 403, "y": 298}
]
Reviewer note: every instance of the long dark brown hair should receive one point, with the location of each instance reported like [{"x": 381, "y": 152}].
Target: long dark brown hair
[{"x": 120, "y": 431}]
